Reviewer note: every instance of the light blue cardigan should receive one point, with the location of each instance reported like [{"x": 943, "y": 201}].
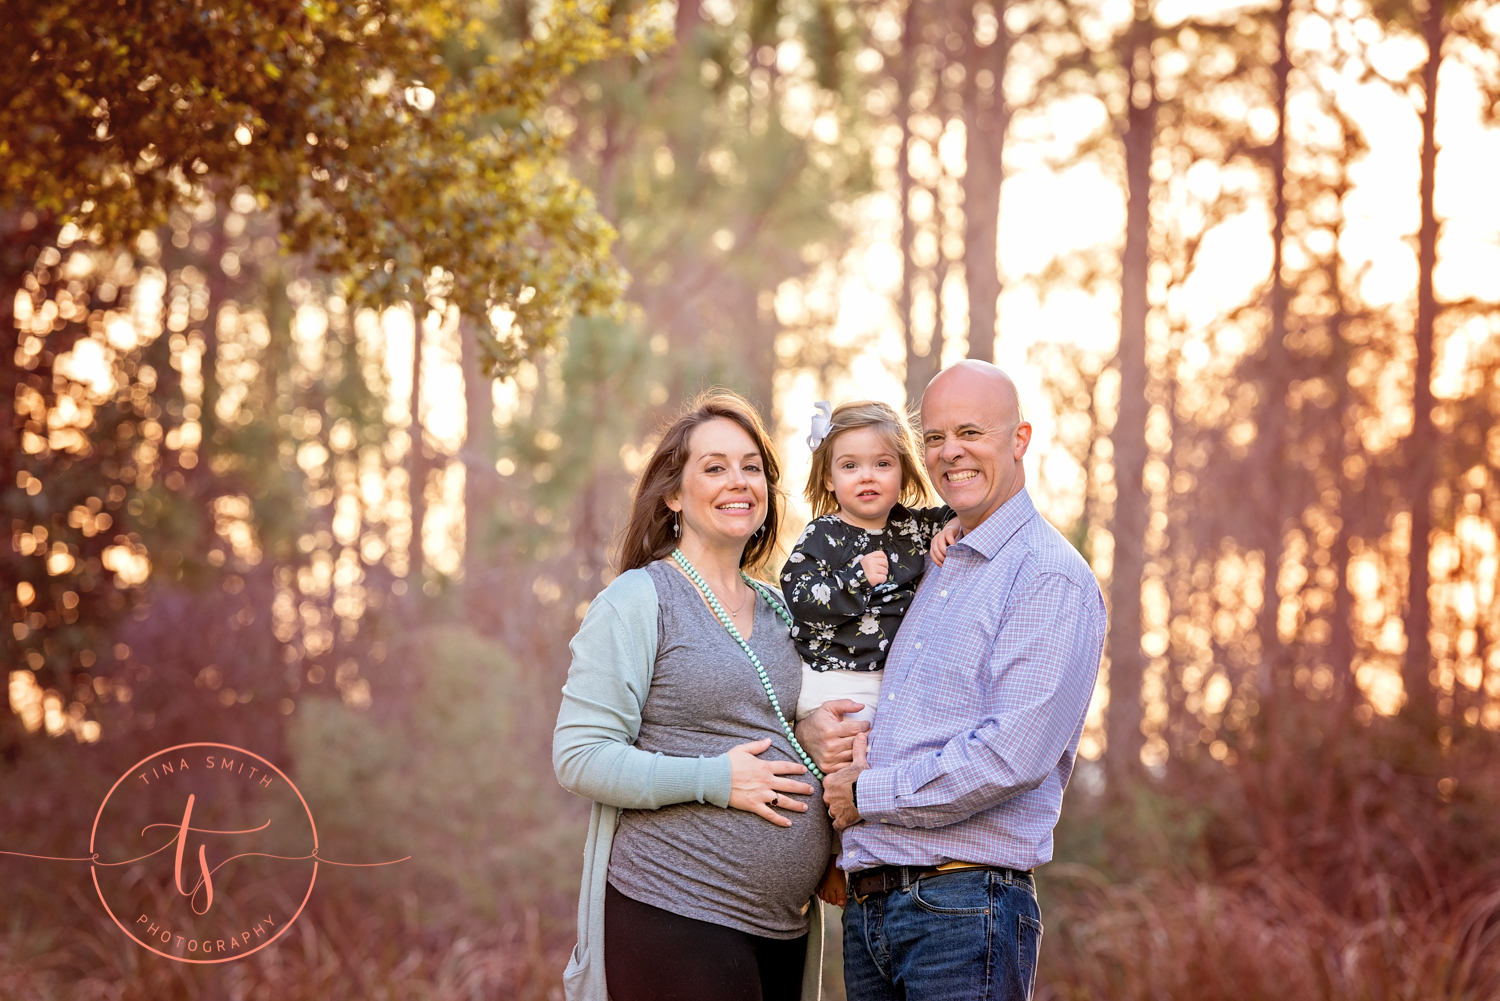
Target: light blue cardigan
[{"x": 614, "y": 655}]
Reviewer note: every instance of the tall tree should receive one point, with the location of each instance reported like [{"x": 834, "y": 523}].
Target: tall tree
[
  {"x": 481, "y": 481},
  {"x": 1424, "y": 445},
  {"x": 987, "y": 46},
  {"x": 419, "y": 454},
  {"x": 1429, "y": 451},
  {"x": 1137, "y": 130}
]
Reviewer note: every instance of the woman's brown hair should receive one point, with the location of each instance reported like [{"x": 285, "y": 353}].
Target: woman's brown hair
[
  {"x": 899, "y": 436},
  {"x": 648, "y": 534}
]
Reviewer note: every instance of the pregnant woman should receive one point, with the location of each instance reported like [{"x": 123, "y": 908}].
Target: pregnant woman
[{"x": 708, "y": 834}]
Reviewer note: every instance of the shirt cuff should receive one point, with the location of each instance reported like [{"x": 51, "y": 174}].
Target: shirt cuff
[{"x": 877, "y": 794}]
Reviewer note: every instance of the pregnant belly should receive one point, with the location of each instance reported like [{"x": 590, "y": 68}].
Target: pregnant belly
[{"x": 723, "y": 865}]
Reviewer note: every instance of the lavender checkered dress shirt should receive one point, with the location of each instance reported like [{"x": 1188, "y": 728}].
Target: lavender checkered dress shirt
[{"x": 983, "y": 702}]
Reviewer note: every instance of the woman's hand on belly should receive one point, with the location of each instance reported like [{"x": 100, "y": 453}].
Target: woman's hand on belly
[{"x": 757, "y": 785}]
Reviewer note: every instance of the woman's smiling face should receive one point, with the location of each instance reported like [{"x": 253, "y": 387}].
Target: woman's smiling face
[{"x": 722, "y": 500}]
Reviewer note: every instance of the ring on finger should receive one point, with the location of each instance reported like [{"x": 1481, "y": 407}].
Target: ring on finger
[{"x": 775, "y": 799}]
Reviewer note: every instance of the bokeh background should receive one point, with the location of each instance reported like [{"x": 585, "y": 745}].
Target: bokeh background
[{"x": 333, "y": 334}]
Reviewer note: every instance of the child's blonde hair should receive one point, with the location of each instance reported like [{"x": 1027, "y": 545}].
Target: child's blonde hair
[{"x": 899, "y": 436}]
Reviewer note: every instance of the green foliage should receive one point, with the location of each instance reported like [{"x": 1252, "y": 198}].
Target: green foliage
[
  {"x": 724, "y": 167},
  {"x": 385, "y": 162}
]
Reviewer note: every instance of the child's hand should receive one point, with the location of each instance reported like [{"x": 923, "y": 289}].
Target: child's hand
[
  {"x": 941, "y": 541},
  {"x": 877, "y": 567},
  {"x": 833, "y": 889}
]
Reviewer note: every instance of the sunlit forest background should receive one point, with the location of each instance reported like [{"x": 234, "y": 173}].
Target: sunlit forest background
[{"x": 333, "y": 335}]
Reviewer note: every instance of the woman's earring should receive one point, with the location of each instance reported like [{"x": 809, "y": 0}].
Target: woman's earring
[{"x": 676, "y": 524}]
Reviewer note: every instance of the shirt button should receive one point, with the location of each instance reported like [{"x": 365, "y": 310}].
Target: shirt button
[
  {"x": 919, "y": 644},
  {"x": 891, "y": 697},
  {"x": 944, "y": 594}
]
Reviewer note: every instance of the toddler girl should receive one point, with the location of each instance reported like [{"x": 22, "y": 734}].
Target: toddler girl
[{"x": 852, "y": 574}]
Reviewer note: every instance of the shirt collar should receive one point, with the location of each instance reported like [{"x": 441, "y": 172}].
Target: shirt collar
[{"x": 996, "y": 530}]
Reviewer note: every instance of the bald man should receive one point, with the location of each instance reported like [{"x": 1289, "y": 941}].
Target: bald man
[{"x": 948, "y": 805}]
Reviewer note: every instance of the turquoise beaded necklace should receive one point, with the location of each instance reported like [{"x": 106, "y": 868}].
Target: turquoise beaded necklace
[{"x": 765, "y": 680}]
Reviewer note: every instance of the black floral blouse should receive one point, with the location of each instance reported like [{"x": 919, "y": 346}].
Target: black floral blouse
[{"x": 842, "y": 622}]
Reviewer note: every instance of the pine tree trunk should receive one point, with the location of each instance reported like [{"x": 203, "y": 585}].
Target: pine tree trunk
[
  {"x": 1269, "y": 484},
  {"x": 481, "y": 481},
  {"x": 1269, "y": 488},
  {"x": 905, "y": 76},
  {"x": 1341, "y": 642},
  {"x": 1421, "y": 458},
  {"x": 416, "y": 455},
  {"x": 986, "y": 120},
  {"x": 1126, "y": 660}
]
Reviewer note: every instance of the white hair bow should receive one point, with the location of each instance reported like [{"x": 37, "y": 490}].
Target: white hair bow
[{"x": 822, "y": 422}]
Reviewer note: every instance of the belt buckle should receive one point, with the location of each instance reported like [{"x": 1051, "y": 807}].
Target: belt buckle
[{"x": 885, "y": 887}]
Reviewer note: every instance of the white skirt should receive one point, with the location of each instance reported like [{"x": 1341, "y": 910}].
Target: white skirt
[{"x": 819, "y": 687}]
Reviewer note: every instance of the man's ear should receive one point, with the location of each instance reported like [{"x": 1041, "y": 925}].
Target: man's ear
[{"x": 1022, "y": 439}]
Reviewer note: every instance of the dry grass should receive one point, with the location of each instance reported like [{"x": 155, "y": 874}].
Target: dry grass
[
  {"x": 1259, "y": 937},
  {"x": 1358, "y": 872},
  {"x": 322, "y": 958}
]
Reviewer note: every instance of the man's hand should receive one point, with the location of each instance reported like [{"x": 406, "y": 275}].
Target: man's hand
[
  {"x": 941, "y": 541},
  {"x": 838, "y": 788},
  {"x": 828, "y": 737},
  {"x": 877, "y": 567}
]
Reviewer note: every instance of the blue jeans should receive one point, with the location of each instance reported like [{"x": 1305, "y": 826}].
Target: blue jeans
[{"x": 970, "y": 935}]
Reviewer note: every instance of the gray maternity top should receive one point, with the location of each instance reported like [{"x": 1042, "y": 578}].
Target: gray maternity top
[{"x": 724, "y": 866}]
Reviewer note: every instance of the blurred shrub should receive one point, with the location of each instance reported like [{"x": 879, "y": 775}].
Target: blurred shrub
[{"x": 457, "y": 775}]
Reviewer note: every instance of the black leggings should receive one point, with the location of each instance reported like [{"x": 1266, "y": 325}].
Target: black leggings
[{"x": 655, "y": 955}]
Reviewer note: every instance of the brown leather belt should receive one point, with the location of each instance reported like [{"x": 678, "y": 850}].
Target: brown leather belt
[{"x": 885, "y": 878}]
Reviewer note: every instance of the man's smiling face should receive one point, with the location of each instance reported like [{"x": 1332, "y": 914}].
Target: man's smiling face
[{"x": 974, "y": 440}]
